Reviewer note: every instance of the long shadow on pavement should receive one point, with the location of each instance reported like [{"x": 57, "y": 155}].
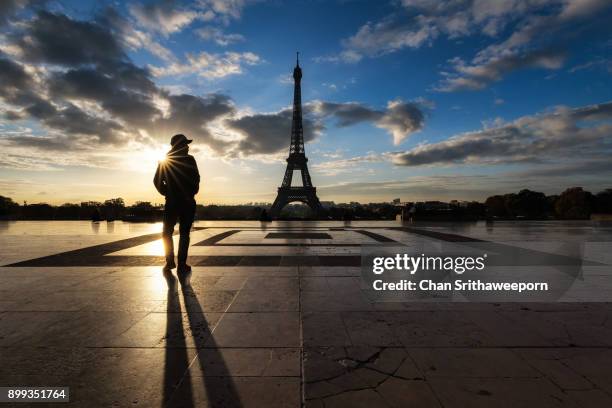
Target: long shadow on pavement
[
  {"x": 176, "y": 359},
  {"x": 220, "y": 388}
]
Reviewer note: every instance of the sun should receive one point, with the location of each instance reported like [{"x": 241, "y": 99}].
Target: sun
[{"x": 155, "y": 155}]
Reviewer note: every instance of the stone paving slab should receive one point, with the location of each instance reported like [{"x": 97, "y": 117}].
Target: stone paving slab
[{"x": 270, "y": 322}]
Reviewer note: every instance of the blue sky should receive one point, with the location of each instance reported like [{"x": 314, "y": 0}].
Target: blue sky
[{"x": 417, "y": 99}]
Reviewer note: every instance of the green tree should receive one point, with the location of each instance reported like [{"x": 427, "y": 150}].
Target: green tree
[
  {"x": 574, "y": 203},
  {"x": 528, "y": 204},
  {"x": 496, "y": 206},
  {"x": 603, "y": 201},
  {"x": 8, "y": 206}
]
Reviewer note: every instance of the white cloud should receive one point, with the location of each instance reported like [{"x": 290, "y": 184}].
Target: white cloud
[
  {"x": 218, "y": 36},
  {"x": 420, "y": 22},
  {"x": 165, "y": 17},
  {"x": 225, "y": 10},
  {"x": 136, "y": 39},
  {"x": 597, "y": 63},
  {"x": 208, "y": 65},
  {"x": 374, "y": 39},
  {"x": 534, "y": 41},
  {"x": 561, "y": 135},
  {"x": 478, "y": 76},
  {"x": 564, "y": 144},
  {"x": 338, "y": 166}
]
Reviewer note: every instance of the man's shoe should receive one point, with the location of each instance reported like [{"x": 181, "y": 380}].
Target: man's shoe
[
  {"x": 184, "y": 268},
  {"x": 184, "y": 274},
  {"x": 169, "y": 265}
]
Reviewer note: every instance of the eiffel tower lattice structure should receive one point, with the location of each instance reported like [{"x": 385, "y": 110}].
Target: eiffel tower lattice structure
[{"x": 297, "y": 160}]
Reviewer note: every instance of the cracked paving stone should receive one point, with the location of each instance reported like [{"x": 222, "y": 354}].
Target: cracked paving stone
[
  {"x": 358, "y": 379},
  {"x": 318, "y": 367},
  {"x": 405, "y": 393},
  {"x": 335, "y": 370},
  {"x": 388, "y": 360}
]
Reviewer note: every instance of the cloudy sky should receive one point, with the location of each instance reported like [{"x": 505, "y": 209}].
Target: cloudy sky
[{"x": 417, "y": 99}]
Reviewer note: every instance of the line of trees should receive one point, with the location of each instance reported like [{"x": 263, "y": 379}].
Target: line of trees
[
  {"x": 112, "y": 209},
  {"x": 573, "y": 203},
  {"x": 115, "y": 209}
]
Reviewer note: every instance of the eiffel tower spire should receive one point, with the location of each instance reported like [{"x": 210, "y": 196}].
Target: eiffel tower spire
[
  {"x": 297, "y": 131},
  {"x": 297, "y": 157}
]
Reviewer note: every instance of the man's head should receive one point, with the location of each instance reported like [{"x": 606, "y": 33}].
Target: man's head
[{"x": 180, "y": 142}]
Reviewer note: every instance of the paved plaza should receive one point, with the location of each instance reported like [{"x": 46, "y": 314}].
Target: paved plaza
[{"x": 274, "y": 316}]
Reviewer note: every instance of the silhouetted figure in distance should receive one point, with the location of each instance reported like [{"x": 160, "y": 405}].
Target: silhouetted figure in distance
[
  {"x": 177, "y": 178},
  {"x": 263, "y": 216},
  {"x": 95, "y": 215}
]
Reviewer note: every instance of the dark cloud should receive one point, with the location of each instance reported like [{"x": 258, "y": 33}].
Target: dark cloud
[
  {"x": 13, "y": 115},
  {"x": 400, "y": 119},
  {"x": 98, "y": 71},
  {"x": 565, "y": 133},
  {"x": 75, "y": 121},
  {"x": 18, "y": 88},
  {"x": 267, "y": 133},
  {"x": 191, "y": 114},
  {"x": 41, "y": 109},
  {"x": 206, "y": 109},
  {"x": 95, "y": 69},
  {"x": 58, "y": 39},
  {"x": 15, "y": 82},
  {"x": 119, "y": 96},
  {"x": 456, "y": 151},
  {"x": 129, "y": 76},
  {"x": 479, "y": 75},
  {"x": 8, "y": 8},
  {"x": 13, "y": 74},
  {"x": 347, "y": 114},
  {"x": 75, "y": 78}
]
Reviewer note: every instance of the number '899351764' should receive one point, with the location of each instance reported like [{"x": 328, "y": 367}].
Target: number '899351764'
[{"x": 34, "y": 394}]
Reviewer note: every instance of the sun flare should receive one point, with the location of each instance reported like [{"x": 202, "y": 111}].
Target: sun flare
[{"x": 155, "y": 155}]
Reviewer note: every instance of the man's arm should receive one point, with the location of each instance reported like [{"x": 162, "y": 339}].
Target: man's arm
[
  {"x": 196, "y": 177},
  {"x": 158, "y": 180}
]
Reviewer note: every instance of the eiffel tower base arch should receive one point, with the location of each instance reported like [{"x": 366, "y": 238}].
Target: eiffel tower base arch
[{"x": 287, "y": 195}]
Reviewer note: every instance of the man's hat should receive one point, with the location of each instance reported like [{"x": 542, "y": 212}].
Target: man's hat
[{"x": 179, "y": 140}]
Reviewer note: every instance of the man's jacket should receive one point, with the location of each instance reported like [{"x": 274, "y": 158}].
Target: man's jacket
[{"x": 177, "y": 177}]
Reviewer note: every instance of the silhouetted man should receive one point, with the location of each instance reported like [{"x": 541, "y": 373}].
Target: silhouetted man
[{"x": 177, "y": 178}]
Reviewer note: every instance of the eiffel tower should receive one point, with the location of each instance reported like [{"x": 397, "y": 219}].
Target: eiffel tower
[{"x": 297, "y": 160}]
